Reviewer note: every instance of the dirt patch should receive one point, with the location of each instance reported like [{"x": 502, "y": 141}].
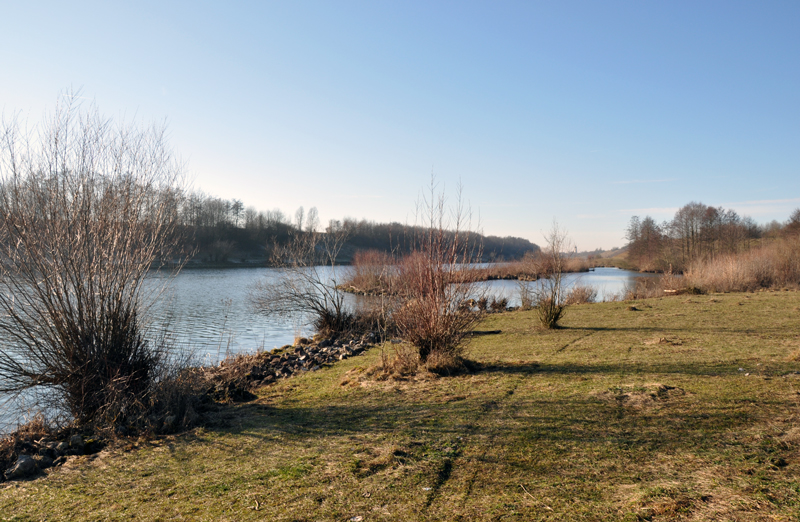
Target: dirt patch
[
  {"x": 638, "y": 397},
  {"x": 672, "y": 341}
]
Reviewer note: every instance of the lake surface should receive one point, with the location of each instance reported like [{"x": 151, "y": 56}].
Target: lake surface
[
  {"x": 209, "y": 313},
  {"x": 209, "y": 310}
]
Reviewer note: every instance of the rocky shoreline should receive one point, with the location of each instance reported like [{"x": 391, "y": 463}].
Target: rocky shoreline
[
  {"x": 29, "y": 454},
  {"x": 233, "y": 379}
]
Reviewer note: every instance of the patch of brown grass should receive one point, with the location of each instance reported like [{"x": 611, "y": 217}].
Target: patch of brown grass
[
  {"x": 638, "y": 397},
  {"x": 773, "y": 265}
]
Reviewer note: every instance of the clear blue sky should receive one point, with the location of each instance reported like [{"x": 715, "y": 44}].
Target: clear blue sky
[{"x": 586, "y": 112}]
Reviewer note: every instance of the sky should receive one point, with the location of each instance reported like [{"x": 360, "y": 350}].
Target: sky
[{"x": 582, "y": 112}]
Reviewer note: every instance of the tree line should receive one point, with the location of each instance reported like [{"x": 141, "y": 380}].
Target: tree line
[
  {"x": 697, "y": 232},
  {"x": 220, "y": 231}
]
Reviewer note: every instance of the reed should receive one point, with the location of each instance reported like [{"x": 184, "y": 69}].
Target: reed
[{"x": 773, "y": 265}]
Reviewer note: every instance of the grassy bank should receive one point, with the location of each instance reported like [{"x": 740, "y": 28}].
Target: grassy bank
[{"x": 685, "y": 407}]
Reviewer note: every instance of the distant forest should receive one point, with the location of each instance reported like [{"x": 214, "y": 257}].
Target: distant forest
[
  {"x": 698, "y": 232},
  {"x": 222, "y": 232}
]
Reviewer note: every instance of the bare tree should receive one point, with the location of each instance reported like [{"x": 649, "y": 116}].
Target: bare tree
[
  {"x": 312, "y": 221},
  {"x": 87, "y": 208},
  {"x": 299, "y": 216},
  {"x": 436, "y": 280}
]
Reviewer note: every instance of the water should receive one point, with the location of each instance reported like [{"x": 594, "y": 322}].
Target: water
[
  {"x": 209, "y": 310},
  {"x": 209, "y": 313},
  {"x": 609, "y": 283}
]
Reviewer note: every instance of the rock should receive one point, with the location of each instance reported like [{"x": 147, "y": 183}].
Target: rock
[
  {"x": 169, "y": 423},
  {"x": 93, "y": 446},
  {"x": 48, "y": 452},
  {"x": 315, "y": 368},
  {"x": 325, "y": 343},
  {"x": 43, "y": 461},
  {"x": 76, "y": 443},
  {"x": 24, "y": 467},
  {"x": 60, "y": 460},
  {"x": 62, "y": 447}
]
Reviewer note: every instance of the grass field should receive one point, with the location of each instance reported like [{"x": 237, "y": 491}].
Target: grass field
[{"x": 684, "y": 408}]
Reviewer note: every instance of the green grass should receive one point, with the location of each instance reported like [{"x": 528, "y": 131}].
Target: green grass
[{"x": 620, "y": 415}]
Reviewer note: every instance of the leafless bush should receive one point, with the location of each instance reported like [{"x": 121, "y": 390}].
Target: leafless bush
[
  {"x": 549, "y": 295},
  {"x": 581, "y": 294},
  {"x": 87, "y": 208},
  {"x": 526, "y": 296},
  {"x": 498, "y": 303},
  {"x": 308, "y": 284},
  {"x": 371, "y": 273},
  {"x": 436, "y": 279}
]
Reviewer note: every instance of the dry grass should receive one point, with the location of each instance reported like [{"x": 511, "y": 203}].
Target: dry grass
[
  {"x": 774, "y": 265},
  {"x": 599, "y": 420}
]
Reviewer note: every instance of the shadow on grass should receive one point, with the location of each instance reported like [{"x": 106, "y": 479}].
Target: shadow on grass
[
  {"x": 721, "y": 369},
  {"x": 558, "y": 428},
  {"x": 694, "y": 330},
  {"x": 514, "y": 419}
]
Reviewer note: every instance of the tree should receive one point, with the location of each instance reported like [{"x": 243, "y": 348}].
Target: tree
[
  {"x": 686, "y": 228},
  {"x": 87, "y": 208},
  {"x": 312, "y": 221},
  {"x": 792, "y": 226},
  {"x": 645, "y": 242}
]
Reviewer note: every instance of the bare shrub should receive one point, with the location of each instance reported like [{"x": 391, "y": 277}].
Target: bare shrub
[
  {"x": 87, "y": 208},
  {"x": 308, "y": 284},
  {"x": 436, "y": 279},
  {"x": 581, "y": 294},
  {"x": 370, "y": 273},
  {"x": 549, "y": 295},
  {"x": 498, "y": 303},
  {"x": 526, "y": 295}
]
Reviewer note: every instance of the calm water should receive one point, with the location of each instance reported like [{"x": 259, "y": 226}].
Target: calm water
[
  {"x": 209, "y": 313},
  {"x": 609, "y": 282},
  {"x": 209, "y": 310}
]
